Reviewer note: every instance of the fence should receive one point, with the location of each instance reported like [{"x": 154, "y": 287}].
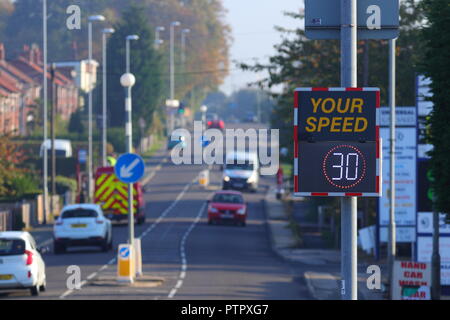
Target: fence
[{"x": 26, "y": 214}]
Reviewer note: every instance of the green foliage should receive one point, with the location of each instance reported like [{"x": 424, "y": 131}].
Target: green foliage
[
  {"x": 64, "y": 184},
  {"x": 145, "y": 64},
  {"x": 436, "y": 66},
  {"x": 76, "y": 124},
  {"x": 116, "y": 136},
  {"x": 300, "y": 62}
]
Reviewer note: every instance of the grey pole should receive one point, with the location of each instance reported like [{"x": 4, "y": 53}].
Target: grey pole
[
  {"x": 392, "y": 231},
  {"x": 104, "y": 131},
  {"x": 45, "y": 88},
  {"x": 348, "y": 204},
  {"x": 435, "y": 257},
  {"x": 172, "y": 71},
  {"x": 184, "y": 33},
  {"x": 90, "y": 153},
  {"x": 158, "y": 41},
  {"x": 90, "y": 117},
  {"x": 129, "y": 136}
]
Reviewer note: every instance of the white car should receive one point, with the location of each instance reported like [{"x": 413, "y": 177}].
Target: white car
[
  {"x": 21, "y": 264},
  {"x": 82, "y": 225}
]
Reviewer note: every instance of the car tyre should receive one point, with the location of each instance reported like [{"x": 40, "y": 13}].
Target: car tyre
[
  {"x": 34, "y": 291},
  {"x": 58, "y": 248},
  {"x": 106, "y": 244},
  {"x": 43, "y": 286}
]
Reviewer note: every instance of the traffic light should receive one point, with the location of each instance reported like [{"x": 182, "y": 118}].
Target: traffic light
[{"x": 181, "y": 108}]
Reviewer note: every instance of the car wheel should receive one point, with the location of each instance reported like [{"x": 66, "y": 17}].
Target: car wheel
[
  {"x": 34, "y": 291},
  {"x": 58, "y": 248},
  {"x": 43, "y": 287}
]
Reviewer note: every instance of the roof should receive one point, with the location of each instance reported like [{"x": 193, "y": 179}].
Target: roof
[
  {"x": 15, "y": 72},
  {"x": 14, "y": 234},
  {"x": 91, "y": 206}
]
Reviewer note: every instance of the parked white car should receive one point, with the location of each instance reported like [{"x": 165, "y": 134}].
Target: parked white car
[
  {"x": 82, "y": 225},
  {"x": 21, "y": 264}
]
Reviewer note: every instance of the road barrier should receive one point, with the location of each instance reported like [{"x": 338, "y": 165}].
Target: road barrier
[
  {"x": 138, "y": 257},
  {"x": 125, "y": 263},
  {"x": 203, "y": 178}
]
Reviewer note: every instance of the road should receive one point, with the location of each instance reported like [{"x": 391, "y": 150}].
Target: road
[{"x": 183, "y": 256}]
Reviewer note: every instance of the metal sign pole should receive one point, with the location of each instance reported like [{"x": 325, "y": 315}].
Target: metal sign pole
[
  {"x": 348, "y": 204},
  {"x": 392, "y": 234},
  {"x": 128, "y": 134}
]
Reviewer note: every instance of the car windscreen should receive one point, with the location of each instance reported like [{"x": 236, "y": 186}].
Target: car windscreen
[
  {"x": 11, "y": 247},
  {"x": 228, "y": 198},
  {"x": 79, "y": 213},
  {"x": 239, "y": 166}
]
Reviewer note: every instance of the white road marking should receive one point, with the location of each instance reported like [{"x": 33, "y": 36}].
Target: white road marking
[
  {"x": 151, "y": 227},
  {"x": 182, "y": 275}
]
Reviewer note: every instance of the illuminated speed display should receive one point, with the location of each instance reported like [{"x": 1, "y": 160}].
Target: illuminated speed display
[{"x": 338, "y": 167}]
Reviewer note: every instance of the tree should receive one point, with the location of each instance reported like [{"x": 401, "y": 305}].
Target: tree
[
  {"x": 146, "y": 65},
  {"x": 436, "y": 66},
  {"x": 300, "y": 62}
]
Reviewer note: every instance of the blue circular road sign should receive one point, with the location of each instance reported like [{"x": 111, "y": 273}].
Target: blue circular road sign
[{"x": 129, "y": 168}]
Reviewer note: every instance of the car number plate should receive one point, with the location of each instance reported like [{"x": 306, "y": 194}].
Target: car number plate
[
  {"x": 6, "y": 276},
  {"x": 80, "y": 225},
  {"x": 238, "y": 185},
  {"x": 227, "y": 216}
]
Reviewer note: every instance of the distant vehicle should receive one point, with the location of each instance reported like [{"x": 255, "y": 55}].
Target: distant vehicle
[
  {"x": 250, "y": 117},
  {"x": 227, "y": 206},
  {"x": 241, "y": 171},
  {"x": 180, "y": 139},
  {"x": 63, "y": 148},
  {"x": 82, "y": 225},
  {"x": 111, "y": 195},
  {"x": 21, "y": 264},
  {"x": 215, "y": 124}
]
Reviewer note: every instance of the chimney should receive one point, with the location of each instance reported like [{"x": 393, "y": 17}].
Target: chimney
[{"x": 2, "y": 52}]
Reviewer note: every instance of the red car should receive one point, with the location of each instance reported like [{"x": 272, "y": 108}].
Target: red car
[{"x": 227, "y": 206}]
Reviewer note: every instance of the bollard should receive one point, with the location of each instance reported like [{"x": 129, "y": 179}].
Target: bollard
[
  {"x": 138, "y": 256},
  {"x": 125, "y": 263},
  {"x": 203, "y": 178}
]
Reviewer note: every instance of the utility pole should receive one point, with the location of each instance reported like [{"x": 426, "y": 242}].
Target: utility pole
[
  {"x": 392, "y": 231},
  {"x": 45, "y": 112},
  {"x": 436, "y": 257},
  {"x": 52, "y": 129},
  {"x": 348, "y": 204}
]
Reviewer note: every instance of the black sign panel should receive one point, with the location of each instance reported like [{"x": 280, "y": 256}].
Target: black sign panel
[
  {"x": 337, "y": 115},
  {"x": 425, "y": 191},
  {"x": 343, "y": 167}
]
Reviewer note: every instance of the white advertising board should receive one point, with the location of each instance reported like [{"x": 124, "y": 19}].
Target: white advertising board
[
  {"x": 425, "y": 250},
  {"x": 411, "y": 280},
  {"x": 405, "y": 173}
]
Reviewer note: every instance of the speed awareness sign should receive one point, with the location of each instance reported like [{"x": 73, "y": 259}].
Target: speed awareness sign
[{"x": 337, "y": 148}]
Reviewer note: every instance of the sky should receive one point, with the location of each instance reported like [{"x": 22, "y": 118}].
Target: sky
[{"x": 252, "y": 23}]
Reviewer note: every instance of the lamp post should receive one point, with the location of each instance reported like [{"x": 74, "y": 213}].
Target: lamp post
[
  {"x": 45, "y": 155},
  {"x": 173, "y": 24},
  {"x": 203, "y": 109},
  {"x": 158, "y": 41},
  {"x": 128, "y": 39},
  {"x": 96, "y": 18},
  {"x": 105, "y": 32},
  {"x": 127, "y": 81},
  {"x": 184, "y": 33}
]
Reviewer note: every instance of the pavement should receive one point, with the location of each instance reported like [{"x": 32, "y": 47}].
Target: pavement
[{"x": 320, "y": 268}]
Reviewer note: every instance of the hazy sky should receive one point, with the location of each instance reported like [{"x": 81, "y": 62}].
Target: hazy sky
[{"x": 252, "y": 23}]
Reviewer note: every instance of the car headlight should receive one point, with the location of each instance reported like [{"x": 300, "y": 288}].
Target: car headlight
[
  {"x": 213, "y": 210},
  {"x": 241, "y": 211},
  {"x": 252, "y": 179},
  {"x": 226, "y": 178}
]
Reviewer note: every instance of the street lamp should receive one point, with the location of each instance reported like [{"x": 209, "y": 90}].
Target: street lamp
[
  {"x": 133, "y": 37},
  {"x": 173, "y": 24},
  {"x": 105, "y": 32},
  {"x": 184, "y": 33},
  {"x": 158, "y": 41},
  {"x": 128, "y": 80},
  {"x": 45, "y": 113},
  {"x": 96, "y": 18},
  {"x": 203, "y": 109}
]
